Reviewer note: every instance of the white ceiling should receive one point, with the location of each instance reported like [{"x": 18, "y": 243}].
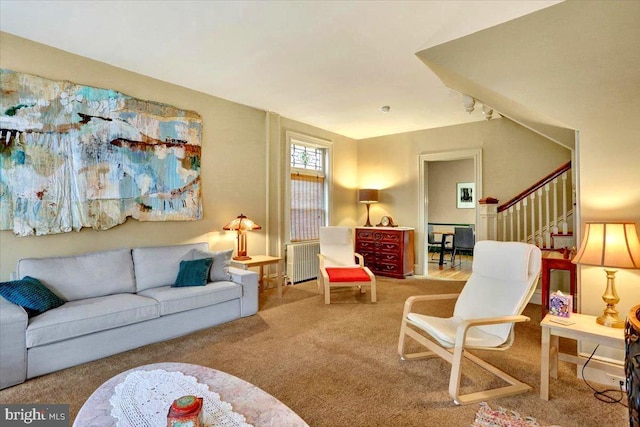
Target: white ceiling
[{"x": 331, "y": 64}]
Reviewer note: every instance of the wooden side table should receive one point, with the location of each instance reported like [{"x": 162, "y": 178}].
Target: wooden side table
[
  {"x": 583, "y": 328},
  {"x": 261, "y": 261},
  {"x": 553, "y": 260}
]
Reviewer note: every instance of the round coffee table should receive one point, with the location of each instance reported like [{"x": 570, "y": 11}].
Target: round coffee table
[{"x": 258, "y": 407}]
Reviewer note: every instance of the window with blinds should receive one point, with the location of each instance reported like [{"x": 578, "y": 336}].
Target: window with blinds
[{"x": 308, "y": 192}]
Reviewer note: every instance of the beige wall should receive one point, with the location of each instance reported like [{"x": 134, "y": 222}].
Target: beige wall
[
  {"x": 391, "y": 164},
  {"x": 226, "y": 128},
  {"x": 342, "y": 207},
  {"x": 240, "y": 170},
  {"x": 343, "y": 203},
  {"x": 442, "y": 178},
  {"x": 554, "y": 74},
  {"x": 607, "y": 120},
  {"x": 609, "y": 177}
]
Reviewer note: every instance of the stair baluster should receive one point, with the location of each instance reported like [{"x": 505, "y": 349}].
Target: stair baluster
[
  {"x": 547, "y": 234},
  {"x": 518, "y": 206},
  {"x": 565, "y": 228},
  {"x": 555, "y": 206},
  {"x": 524, "y": 220}
]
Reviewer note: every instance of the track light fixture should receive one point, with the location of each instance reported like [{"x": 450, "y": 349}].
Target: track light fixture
[
  {"x": 487, "y": 111},
  {"x": 469, "y": 103}
]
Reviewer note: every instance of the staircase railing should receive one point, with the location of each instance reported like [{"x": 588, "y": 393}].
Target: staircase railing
[{"x": 541, "y": 212}]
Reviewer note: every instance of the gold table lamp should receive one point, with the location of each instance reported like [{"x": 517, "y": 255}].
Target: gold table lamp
[{"x": 610, "y": 245}]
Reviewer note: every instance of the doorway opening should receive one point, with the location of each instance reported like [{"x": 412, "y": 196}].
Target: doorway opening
[{"x": 475, "y": 155}]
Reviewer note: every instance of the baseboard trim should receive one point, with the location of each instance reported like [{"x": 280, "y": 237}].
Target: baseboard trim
[{"x": 536, "y": 298}]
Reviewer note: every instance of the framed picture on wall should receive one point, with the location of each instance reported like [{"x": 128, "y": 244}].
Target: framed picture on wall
[{"x": 466, "y": 195}]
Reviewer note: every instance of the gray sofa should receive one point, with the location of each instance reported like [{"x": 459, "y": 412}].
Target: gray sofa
[{"x": 115, "y": 301}]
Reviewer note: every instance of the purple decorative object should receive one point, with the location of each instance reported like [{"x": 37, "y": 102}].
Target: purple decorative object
[{"x": 560, "y": 304}]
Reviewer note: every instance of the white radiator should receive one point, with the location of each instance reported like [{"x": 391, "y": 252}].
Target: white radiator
[{"x": 302, "y": 261}]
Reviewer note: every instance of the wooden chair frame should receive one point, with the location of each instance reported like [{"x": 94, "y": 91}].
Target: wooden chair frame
[
  {"x": 324, "y": 285},
  {"x": 455, "y": 354}
]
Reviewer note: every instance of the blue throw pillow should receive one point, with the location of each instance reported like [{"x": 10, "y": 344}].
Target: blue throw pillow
[
  {"x": 193, "y": 273},
  {"x": 30, "y": 294}
]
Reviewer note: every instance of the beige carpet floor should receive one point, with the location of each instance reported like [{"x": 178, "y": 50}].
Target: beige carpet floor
[{"x": 337, "y": 365}]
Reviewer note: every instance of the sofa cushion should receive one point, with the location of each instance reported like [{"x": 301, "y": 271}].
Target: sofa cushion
[
  {"x": 90, "y": 315},
  {"x": 193, "y": 273},
  {"x": 175, "y": 300},
  {"x": 83, "y": 276},
  {"x": 30, "y": 294},
  {"x": 221, "y": 263},
  {"x": 347, "y": 274},
  {"x": 159, "y": 266}
]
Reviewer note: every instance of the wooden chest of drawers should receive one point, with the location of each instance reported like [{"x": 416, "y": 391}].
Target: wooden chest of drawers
[{"x": 387, "y": 251}]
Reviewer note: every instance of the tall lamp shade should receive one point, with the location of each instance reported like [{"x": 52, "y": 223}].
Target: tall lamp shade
[
  {"x": 611, "y": 245},
  {"x": 242, "y": 224},
  {"x": 368, "y": 196}
]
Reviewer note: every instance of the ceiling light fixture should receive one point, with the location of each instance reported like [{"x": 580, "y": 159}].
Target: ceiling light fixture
[
  {"x": 469, "y": 103},
  {"x": 487, "y": 111}
]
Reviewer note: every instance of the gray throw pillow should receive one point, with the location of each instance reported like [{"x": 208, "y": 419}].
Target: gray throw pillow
[{"x": 221, "y": 262}]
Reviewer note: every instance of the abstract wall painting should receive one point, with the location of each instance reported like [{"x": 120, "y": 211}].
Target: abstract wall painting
[{"x": 75, "y": 156}]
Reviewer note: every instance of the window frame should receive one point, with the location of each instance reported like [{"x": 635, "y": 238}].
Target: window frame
[{"x": 309, "y": 141}]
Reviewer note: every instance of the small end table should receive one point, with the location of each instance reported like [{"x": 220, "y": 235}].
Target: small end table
[
  {"x": 261, "y": 261},
  {"x": 584, "y": 327}
]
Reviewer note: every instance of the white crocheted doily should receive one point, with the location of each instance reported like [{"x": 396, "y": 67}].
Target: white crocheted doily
[{"x": 144, "y": 397}]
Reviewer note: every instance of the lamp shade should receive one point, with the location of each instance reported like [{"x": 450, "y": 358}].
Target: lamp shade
[
  {"x": 242, "y": 223},
  {"x": 610, "y": 244},
  {"x": 368, "y": 195}
]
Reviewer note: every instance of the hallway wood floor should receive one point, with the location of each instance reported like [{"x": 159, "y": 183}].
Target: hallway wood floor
[{"x": 446, "y": 272}]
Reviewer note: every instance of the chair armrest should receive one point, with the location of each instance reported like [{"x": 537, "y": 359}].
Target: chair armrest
[
  {"x": 464, "y": 326},
  {"x": 469, "y": 323},
  {"x": 323, "y": 271},
  {"x": 409, "y": 302},
  {"x": 321, "y": 261},
  {"x": 360, "y": 259}
]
